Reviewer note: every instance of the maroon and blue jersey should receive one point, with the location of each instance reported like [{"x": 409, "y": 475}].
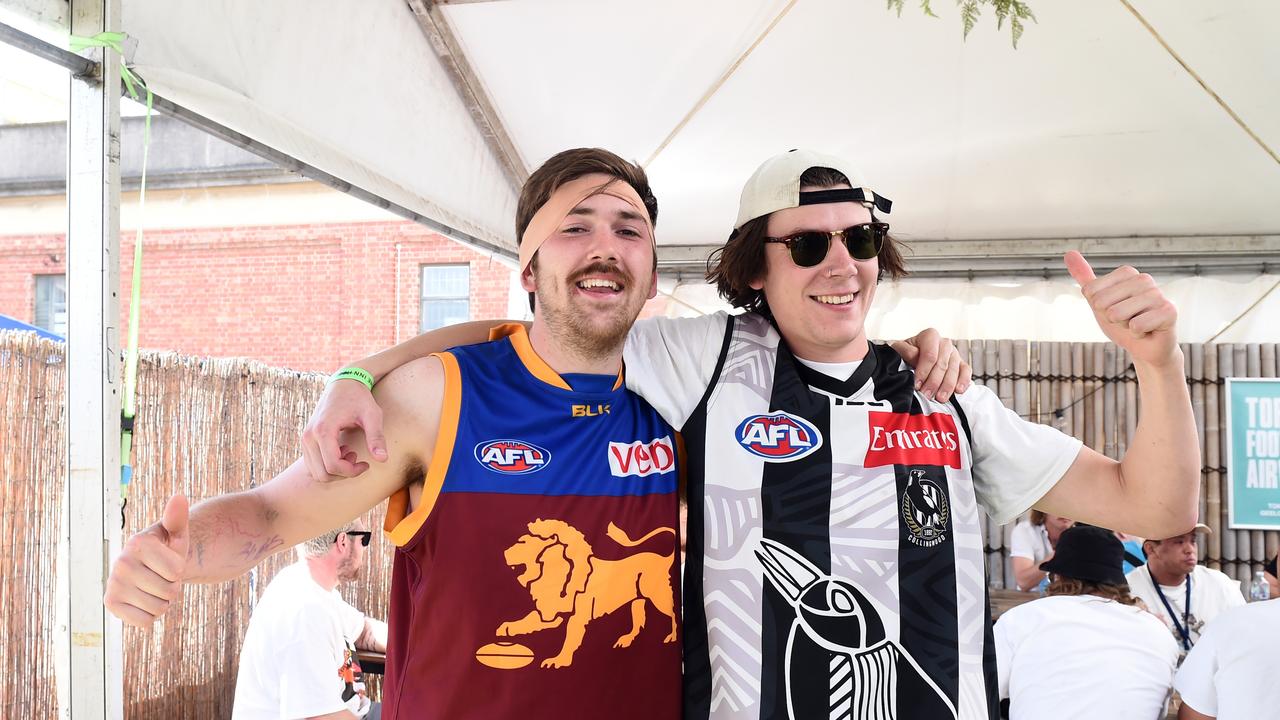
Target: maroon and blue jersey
[{"x": 536, "y": 577}]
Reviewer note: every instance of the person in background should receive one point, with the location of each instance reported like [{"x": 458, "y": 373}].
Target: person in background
[
  {"x": 1134, "y": 557},
  {"x": 1087, "y": 650},
  {"x": 298, "y": 658},
  {"x": 1032, "y": 543},
  {"x": 1231, "y": 672},
  {"x": 1182, "y": 593}
]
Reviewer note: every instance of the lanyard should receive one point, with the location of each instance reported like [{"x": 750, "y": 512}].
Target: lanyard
[{"x": 1183, "y": 628}]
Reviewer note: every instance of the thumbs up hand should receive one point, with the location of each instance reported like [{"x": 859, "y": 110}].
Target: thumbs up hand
[
  {"x": 1131, "y": 310},
  {"x": 147, "y": 576}
]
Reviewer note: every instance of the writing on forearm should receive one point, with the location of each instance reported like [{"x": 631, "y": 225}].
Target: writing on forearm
[
  {"x": 254, "y": 551},
  {"x": 229, "y": 535}
]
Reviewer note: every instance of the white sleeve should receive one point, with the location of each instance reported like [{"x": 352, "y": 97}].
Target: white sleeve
[
  {"x": 1015, "y": 461},
  {"x": 352, "y": 619},
  {"x": 1195, "y": 680},
  {"x": 1232, "y": 591},
  {"x": 1021, "y": 542},
  {"x": 669, "y": 361},
  {"x": 308, "y": 666},
  {"x": 1007, "y": 636}
]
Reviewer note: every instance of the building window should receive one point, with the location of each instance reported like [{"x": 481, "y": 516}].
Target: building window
[
  {"x": 51, "y": 303},
  {"x": 446, "y": 295}
]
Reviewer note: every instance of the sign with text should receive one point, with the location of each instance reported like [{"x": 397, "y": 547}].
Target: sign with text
[{"x": 1253, "y": 453}]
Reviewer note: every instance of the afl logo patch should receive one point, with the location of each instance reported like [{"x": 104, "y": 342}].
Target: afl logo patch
[
  {"x": 778, "y": 436},
  {"x": 925, "y": 511},
  {"x": 512, "y": 457}
]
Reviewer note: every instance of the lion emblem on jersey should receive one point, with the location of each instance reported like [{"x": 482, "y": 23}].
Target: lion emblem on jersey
[
  {"x": 570, "y": 586},
  {"x": 925, "y": 510}
]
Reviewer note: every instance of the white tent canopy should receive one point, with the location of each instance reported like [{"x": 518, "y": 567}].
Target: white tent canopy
[
  {"x": 1090, "y": 128},
  {"x": 1145, "y": 130}
]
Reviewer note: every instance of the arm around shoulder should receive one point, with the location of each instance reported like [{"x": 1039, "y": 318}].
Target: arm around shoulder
[{"x": 671, "y": 361}]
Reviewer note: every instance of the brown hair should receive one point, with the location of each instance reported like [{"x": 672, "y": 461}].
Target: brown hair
[
  {"x": 1060, "y": 585},
  {"x": 1037, "y": 517},
  {"x": 569, "y": 165},
  {"x": 741, "y": 261}
]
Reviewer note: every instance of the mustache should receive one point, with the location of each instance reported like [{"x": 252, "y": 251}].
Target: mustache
[{"x": 610, "y": 270}]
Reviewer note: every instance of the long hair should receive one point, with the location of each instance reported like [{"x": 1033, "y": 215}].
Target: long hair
[
  {"x": 1060, "y": 585},
  {"x": 741, "y": 261}
]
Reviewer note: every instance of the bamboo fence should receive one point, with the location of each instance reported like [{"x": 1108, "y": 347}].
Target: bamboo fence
[{"x": 208, "y": 427}]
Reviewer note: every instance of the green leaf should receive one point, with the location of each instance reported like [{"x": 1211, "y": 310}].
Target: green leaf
[{"x": 969, "y": 13}]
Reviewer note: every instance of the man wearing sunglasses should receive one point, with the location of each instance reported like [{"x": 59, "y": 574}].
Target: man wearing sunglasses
[
  {"x": 298, "y": 658},
  {"x": 834, "y": 528}
]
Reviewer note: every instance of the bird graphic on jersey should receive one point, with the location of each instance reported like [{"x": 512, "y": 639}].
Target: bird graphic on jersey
[
  {"x": 930, "y": 512},
  {"x": 837, "y": 625}
]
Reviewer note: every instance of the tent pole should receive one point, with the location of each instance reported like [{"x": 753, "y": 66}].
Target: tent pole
[{"x": 91, "y": 681}]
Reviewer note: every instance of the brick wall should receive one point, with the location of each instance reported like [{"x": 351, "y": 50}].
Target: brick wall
[{"x": 307, "y": 297}]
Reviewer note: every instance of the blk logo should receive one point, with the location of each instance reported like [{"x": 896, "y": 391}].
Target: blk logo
[
  {"x": 511, "y": 457},
  {"x": 778, "y": 437}
]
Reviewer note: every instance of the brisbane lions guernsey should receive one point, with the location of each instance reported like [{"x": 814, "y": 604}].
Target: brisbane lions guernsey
[
  {"x": 835, "y": 562},
  {"x": 536, "y": 578}
]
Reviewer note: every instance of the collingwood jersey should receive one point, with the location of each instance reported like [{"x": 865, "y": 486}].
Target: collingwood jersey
[{"x": 835, "y": 561}]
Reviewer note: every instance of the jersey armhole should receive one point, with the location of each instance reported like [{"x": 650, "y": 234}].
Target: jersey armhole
[
  {"x": 729, "y": 325},
  {"x": 964, "y": 423},
  {"x": 399, "y": 527}
]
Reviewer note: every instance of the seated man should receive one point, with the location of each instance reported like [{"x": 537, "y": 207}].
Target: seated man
[
  {"x": 1087, "y": 650},
  {"x": 298, "y": 658},
  {"x": 1182, "y": 593},
  {"x": 1231, "y": 673}
]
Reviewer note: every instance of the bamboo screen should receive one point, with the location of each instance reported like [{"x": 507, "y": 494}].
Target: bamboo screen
[{"x": 207, "y": 427}]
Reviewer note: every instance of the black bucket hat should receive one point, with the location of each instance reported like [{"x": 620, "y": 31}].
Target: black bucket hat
[{"x": 1088, "y": 553}]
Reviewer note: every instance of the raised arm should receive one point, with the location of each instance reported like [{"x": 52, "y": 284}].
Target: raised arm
[
  {"x": 225, "y": 536},
  {"x": 346, "y": 405},
  {"x": 1153, "y": 491}
]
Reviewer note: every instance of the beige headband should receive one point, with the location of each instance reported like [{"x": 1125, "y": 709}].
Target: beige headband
[{"x": 565, "y": 199}]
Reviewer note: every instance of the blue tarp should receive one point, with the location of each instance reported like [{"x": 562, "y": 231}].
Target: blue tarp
[{"x": 8, "y": 323}]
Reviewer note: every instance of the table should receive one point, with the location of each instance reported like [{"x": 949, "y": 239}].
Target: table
[
  {"x": 372, "y": 662},
  {"x": 1004, "y": 600}
]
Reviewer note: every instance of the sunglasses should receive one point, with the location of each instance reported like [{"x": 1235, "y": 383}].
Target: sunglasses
[
  {"x": 809, "y": 248},
  {"x": 364, "y": 535}
]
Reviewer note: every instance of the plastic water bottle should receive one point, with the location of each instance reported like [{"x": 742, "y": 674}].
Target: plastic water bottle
[{"x": 1259, "y": 589}]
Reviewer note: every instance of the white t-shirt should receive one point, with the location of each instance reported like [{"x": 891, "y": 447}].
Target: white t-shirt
[
  {"x": 1232, "y": 671},
  {"x": 300, "y": 640},
  {"x": 1211, "y": 593},
  {"x": 1083, "y": 657},
  {"x": 859, "y": 482},
  {"x": 1030, "y": 541}
]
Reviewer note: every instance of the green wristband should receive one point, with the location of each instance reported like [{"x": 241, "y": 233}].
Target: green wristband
[{"x": 354, "y": 373}]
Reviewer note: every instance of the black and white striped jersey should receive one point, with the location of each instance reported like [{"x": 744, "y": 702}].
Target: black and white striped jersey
[{"x": 835, "y": 562}]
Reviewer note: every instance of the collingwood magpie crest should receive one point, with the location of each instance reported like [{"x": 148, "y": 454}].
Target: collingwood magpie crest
[
  {"x": 837, "y": 627},
  {"x": 925, "y": 511}
]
